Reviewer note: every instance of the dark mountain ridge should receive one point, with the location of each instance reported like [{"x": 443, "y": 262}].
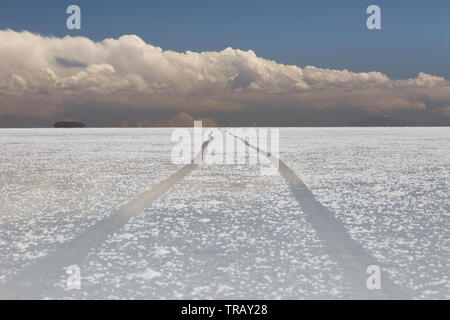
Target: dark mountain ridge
[
  {"x": 69, "y": 124},
  {"x": 381, "y": 121}
]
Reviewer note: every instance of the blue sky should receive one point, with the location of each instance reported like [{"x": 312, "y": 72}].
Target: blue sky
[
  {"x": 414, "y": 38},
  {"x": 124, "y": 81}
]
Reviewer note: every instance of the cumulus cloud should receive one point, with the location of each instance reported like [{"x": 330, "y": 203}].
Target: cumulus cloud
[
  {"x": 40, "y": 75},
  {"x": 446, "y": 111}
]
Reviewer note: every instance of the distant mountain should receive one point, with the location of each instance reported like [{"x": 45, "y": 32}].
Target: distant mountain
[
  {"x": 69, "y": 124},
  {"x": 381, "y": 121}
]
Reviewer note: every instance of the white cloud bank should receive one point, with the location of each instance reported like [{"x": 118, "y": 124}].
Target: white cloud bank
[{"x": 39, "y": 75}]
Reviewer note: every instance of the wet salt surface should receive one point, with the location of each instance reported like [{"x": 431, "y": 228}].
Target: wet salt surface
[{"x": 227, "y": 231}]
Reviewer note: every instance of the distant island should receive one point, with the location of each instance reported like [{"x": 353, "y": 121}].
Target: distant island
[
  {"x": 69, "y": 124},
  {"x": 381, "y": 121}
]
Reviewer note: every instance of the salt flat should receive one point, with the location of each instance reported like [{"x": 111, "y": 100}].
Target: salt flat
[{"x": 226, "y": 231}]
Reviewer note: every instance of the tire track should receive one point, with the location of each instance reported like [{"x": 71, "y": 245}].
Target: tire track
[
  {"x": 33, "y": 281},
  {"x": 347, "y": 252}
]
